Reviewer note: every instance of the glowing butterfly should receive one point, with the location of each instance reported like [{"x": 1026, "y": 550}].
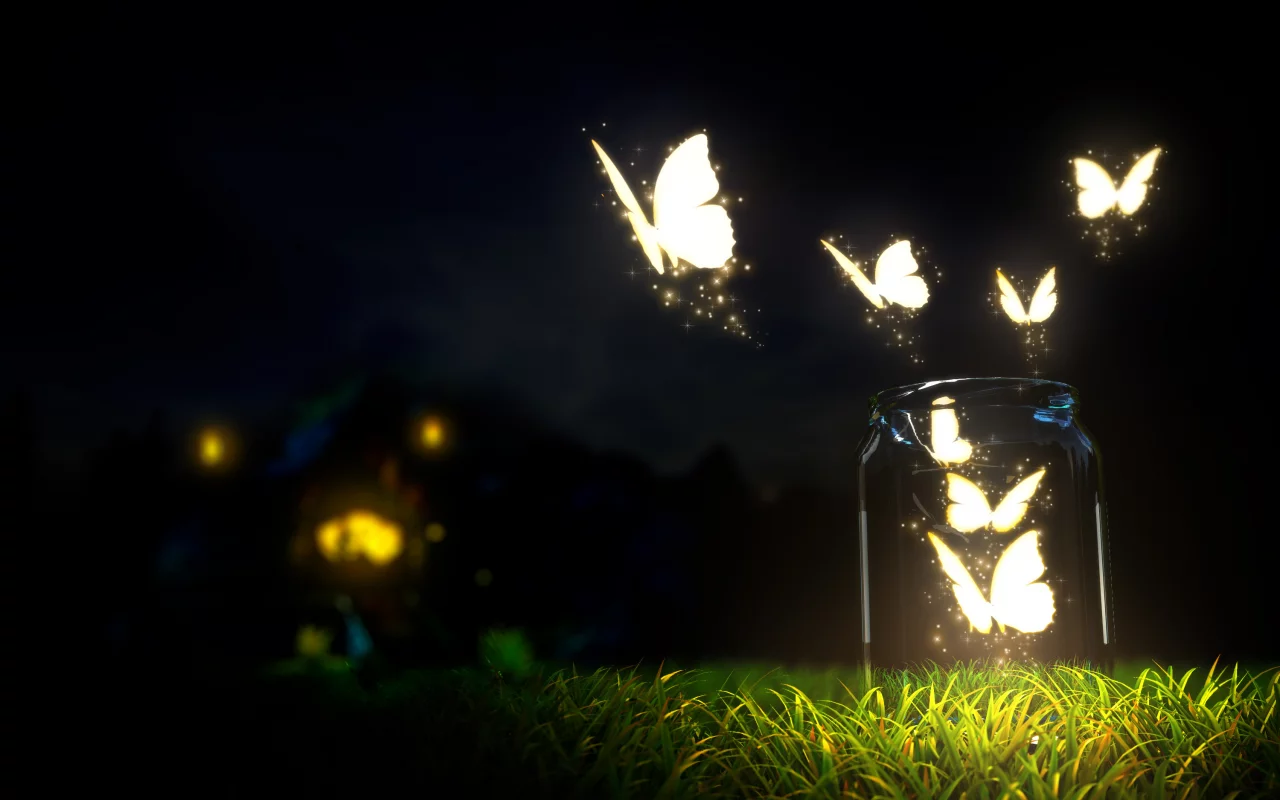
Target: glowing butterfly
[
  {"x": 970, "y": 511},
  {"x": 1043, "y": 302},
  {"x": 686, "y": 224},
  {"x": 944, "y": 435},
  {"x": 1018, "y": 599},
  {"x": 1098, "y": 193},
  {"x": 894, "y": 279}
]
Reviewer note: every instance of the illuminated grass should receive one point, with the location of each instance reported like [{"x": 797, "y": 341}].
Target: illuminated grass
[{"x": 929, "y": 733}]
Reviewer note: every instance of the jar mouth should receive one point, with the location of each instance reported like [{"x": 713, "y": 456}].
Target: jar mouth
[{"x": 1032, "y": 392}]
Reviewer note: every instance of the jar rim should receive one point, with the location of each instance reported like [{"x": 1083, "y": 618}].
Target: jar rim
[{"x": 1036, "y": 392}]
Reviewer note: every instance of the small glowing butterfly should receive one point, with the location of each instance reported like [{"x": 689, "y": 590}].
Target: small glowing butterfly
[
  {"x": 894, "y": 279},
  {"x": 1043, "y": 302},
  {"x": 1098, "y": 193},
  {"x": 686, "y": 224},
  {"x": 944, "y": 435},
  {"x": 1018, "y": 599},
  {"x": 970, "y": 511}
]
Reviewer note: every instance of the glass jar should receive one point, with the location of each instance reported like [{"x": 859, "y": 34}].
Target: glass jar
[{"x": 982, "y": 527}]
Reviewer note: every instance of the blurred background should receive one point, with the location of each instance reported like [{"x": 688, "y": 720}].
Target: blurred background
[{"x": 261, "y": 276}]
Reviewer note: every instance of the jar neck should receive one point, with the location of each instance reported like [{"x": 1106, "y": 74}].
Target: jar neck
[{"x": 1054, "y": 397}]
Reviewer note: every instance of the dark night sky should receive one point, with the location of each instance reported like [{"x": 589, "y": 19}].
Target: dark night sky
[
  {"x": 205, "y": 218},
  {"x": 209, "y": 218}
]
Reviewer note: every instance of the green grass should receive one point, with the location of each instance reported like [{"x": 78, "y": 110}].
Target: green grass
[{"x": 660, "y": 733}]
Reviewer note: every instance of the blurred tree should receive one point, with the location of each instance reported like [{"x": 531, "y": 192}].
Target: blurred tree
[
  {"x": 18, "y": 468},
  {"x": 720, "y": 504}
]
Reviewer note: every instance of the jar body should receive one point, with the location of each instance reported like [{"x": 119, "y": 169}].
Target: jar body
[{"x": 982, "y": 527}]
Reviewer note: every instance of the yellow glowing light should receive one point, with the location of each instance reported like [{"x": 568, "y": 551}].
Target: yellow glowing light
[
  {"x": 894, "y": 279},
  {"x": 312, "y": 641},
  {"x": 1043, "y": 302},
  {"x": 483, "y": 577},
  {"x": 944, "y": 435},
  {"x": 1018, "y": 600},
  {"x": 687, "y": 224},
  {"x": 1099, "y": 194},
  {"x": 433, "y": 433},
  {"x": 213, "y": 448},
  {"x": 970, "y": 511},
  {"x": 360, "y": 534},
  {"x": 435, "y": 532}
]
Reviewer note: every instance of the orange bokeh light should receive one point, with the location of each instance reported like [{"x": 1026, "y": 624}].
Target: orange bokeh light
[{"x": 433, "y": 433}]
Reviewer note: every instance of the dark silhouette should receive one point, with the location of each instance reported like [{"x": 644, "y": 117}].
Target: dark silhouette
[{"x": 593, "y": 556}]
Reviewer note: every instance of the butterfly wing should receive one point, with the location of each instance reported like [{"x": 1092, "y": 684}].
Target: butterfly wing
[
  {"x": 1045, "y": 300},
  {"x": 620, "y": 186},
  {"x": 944, "y": 435},
  {"x": 1134, "y": 189},
  {"x": 968, "y": 510},
  {"x": 1013, "y": 507},
  {"x": 1017, "y": 600},
  {"x": 645, "y": 234},
  {"x": 860, "y": 280},
  {"x": 970, "y": 598},
  {"x": 894, "y": 278},
  {"x": 687, "y": 229},
  {"x": 1097, "y": 190},
  {"x": 1009, "y": 300}
]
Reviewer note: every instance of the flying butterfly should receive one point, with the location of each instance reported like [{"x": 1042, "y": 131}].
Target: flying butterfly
[
  {"x": 1099, "y": 193},
  {"x": 944, "y": 435},
  {"x": 686, "y": 224},
  {"x": 1018, "y": 598},
  {"x": 969, "y": 509},
  {"x": 1043, "y": 302},
  {"x": 895, "y": 281}
]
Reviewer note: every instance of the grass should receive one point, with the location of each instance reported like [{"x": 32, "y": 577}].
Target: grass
[{"x": 973, "y": 731}]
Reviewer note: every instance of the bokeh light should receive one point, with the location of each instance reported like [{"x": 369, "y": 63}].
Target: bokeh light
[
  {"x": 483, "y": 577},
  {"x": 214, "y": 447},
  {"x": 313, "y": 641},
  {"x": 435, "y": 533},
  {"x": 433, "y": 433},
  {"x": 360, "y": 534}
]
